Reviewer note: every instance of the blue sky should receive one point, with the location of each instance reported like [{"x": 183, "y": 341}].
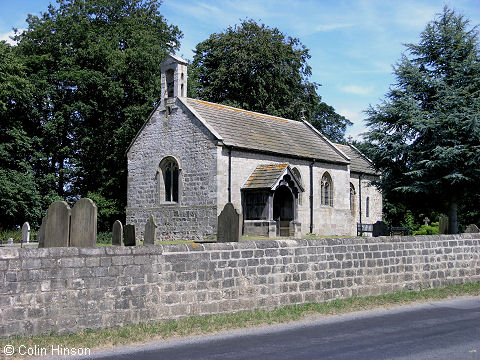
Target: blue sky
[{"x": 353, "y": 43}]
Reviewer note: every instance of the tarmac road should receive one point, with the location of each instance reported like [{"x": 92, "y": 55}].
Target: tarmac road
[{"x": 437, "y": 330}]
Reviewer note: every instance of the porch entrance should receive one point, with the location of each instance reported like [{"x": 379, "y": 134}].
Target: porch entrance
[{"x": 283, "y": 209}]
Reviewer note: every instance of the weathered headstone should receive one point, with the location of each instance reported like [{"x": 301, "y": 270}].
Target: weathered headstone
[
  {"x": 83, "y": 231},
  {"x": 117, "y": 233},
  {"x": 57, "y": 226},
  {"x": 380, "y": 229},
  {"x": 129, "y": 235},
  {"x": 26, "y": 233},
  {"x": 41, "y": 233},
  {"x": 229, "y": 224},
  {"x": 443, "y": 225},
  {"x": 426, "y": 221},
  {"x": 472, "y": 228},
  {"x": 150, "y": 231},
  {"x": 10, "y": 241}
]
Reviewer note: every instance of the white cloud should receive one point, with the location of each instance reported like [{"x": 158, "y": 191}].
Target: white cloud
[
  {"x": 357, "y": 89},
  {"x": 353, "y": 116},
  {"x": 7, "y": 36},
  {"x": 358, "y": 127},
  {"x": 378, "y": 68},
  {"x": 331, "y": 27}
]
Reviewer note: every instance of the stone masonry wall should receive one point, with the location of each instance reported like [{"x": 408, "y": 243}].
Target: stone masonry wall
[
  {"x": 368, "y": 191},
  {"x": 182, "y": 136},
  {"x": 69, "y": 289},
  {"x": 336, "y": 220}
]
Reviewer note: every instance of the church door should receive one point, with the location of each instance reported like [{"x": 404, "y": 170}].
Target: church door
[{"x": 283, "y": 209}]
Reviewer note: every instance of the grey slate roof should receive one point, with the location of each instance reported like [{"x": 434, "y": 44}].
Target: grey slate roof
[
  {"x": 255, "y": 131},
  {"x": 358, "y": 163},
  {"x": 265, "y": 176}
]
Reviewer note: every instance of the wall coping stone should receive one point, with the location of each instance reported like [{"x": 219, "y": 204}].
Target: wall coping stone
[{"x": 59, "y": 252}]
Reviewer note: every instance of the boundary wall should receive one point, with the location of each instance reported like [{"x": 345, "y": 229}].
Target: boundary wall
[{"x": 70, "y": 289}]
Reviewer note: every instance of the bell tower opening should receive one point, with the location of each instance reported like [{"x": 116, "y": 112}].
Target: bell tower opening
[{"x": 173, "y": 79}]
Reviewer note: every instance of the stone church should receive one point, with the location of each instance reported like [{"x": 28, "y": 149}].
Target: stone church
[{"x": 191, "y": 157}]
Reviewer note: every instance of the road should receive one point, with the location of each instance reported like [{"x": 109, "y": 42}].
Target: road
[{"x": 437, "y": 330}]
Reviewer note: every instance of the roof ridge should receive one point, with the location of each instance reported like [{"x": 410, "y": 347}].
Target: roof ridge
[{"x": 254, "y": 113}]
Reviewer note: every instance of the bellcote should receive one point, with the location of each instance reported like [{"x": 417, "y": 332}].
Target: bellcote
[{"x": 174, "y": 78}]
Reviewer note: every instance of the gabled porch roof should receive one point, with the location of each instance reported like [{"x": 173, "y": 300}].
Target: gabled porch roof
[{"x": 267, "y": 176}]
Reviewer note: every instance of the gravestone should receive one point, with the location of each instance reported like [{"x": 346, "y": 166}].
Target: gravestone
[
  {"x": 472, "y": 229},
  {"x": 443, "y": 225},
  {"x": 117, "y": 233},
  {"x": 10, "y": 241},
  {"x": 426, "y": 221},
  {"x": 57, "y": 226},
  {"x": 41, "y": 233},
  {"x": 129, "y": 235},
  {"x": 380, "y": 229},
  {"x": 150, "y": 231},
  {"x": 26, "y": 233},
  {"x": 83, "y": 231},
  {"x": 229, "y": 224}
]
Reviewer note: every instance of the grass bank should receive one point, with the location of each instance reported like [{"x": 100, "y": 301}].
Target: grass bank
[{"x": 131, "y": 334}]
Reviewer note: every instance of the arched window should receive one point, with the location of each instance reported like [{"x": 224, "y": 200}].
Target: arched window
[
  {"x": 326, "y": 190},
  {"x": 169, "y": 180},
  {"x": 352, "y": 199},
  {"x": 367, "y": 207}
]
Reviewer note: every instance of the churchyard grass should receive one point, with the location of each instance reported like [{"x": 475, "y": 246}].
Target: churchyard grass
[
  {"x": 16, "y": 235},
  {"x": 141, "y": 333}
]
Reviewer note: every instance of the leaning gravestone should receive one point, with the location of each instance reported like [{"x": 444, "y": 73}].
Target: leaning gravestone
[
  {"x": 472, "y": 228},
  {"x": 57, "y": 226},
  {"x": 380, "y": 229},
  {"x": 229, "y": 224},
  {"x": 129, "y": 235},
  {"x": 443, "y": 225},
  {"x": 83, "y": 231},
  {"x": 150, "y": 231},
  {"x": 41, "y": 233},
  {"x": 117, "y": 233},
  {"x": 26, "y": 233}
]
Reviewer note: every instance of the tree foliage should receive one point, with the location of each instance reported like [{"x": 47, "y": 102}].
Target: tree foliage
[
  {"x": 19, "y": 194},
  {"x": 93, "y": 70},
  {"x": 258, "y": 68},
  {"x": 426, "y": 133}
]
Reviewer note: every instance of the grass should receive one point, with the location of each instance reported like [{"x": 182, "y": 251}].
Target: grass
[
  {"x": 131, "y": 334},
  {"x": 16, "y": 235}
]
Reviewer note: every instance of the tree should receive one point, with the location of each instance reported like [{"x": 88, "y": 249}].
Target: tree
[
  {"x": 19, "y": 194},
  {"x": 426, "y": 133},
  {"x": 258, "y": 68},
  {"x": 95, "y": 66}
]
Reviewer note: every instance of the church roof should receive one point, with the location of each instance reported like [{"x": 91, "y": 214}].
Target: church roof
[
  {"x": 358, "y": 162},
  {"x": 266, "y": 133}
]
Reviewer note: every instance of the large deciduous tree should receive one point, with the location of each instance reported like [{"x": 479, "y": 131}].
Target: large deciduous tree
[
  {"x": 19, "y": 193},
  {"x": 95, "y": 67},
  {"x": 258, "y": 68},
  {"x": 427, "y": 131}
]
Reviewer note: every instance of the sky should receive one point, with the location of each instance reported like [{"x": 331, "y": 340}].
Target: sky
[{"x": 353, "y": 43}]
